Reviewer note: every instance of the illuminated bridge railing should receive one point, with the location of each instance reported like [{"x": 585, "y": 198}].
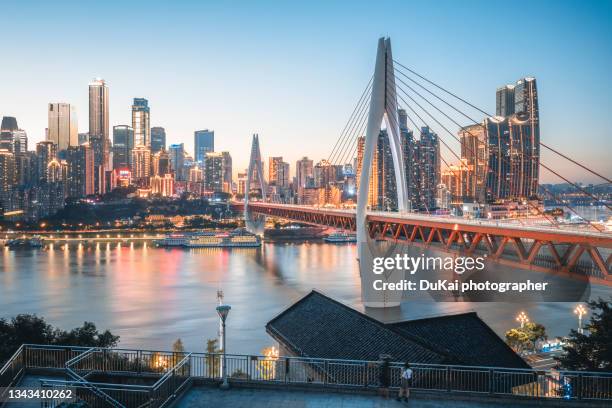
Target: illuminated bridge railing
[
  {"x": 158, "y": 377},
  {"x": 574, "y": 252}
]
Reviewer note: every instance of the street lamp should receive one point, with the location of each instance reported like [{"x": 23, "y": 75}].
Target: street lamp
[
  {"x": 522, "y": 318},
  {"x": 580, "y": 310},
  {"x": 223, "y": 311}
]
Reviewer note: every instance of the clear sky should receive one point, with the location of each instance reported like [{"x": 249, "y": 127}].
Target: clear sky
[{"x": 292, "y": 71}]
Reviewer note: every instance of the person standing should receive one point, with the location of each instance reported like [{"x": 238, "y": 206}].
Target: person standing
[
  {"x": 385, "y": 377},
  {"x": 406, "y": 383}
]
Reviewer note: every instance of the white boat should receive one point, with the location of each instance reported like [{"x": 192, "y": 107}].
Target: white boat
[
  {"x": 236, "y": 239},
  {"x": 341, "y": 237}
]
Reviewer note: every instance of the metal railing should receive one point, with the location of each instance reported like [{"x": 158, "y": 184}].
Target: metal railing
[{"x": 170, "y": 373}]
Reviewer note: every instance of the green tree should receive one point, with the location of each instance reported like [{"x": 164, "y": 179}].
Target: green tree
[
  {"x": 213, "y": 360},
  {"x": 526, "y": 338},
  {"x": 592, "y": 351},
  {"x": 32, "y": 329}
]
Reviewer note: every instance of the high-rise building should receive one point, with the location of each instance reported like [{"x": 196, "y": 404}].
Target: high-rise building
[
  {"x": 273, "y": 168},
  {"x": 141, "y": 165},
  {"x": 177, "y": 160},
  {"x": 242, "y": 179},
  {"x": 227, "y": 172},
  {"x": 62, "y": 125},
  {"x": 158, "y": 139},
  {"x": 161, "y": 163},
  {"x": 83, "y": 138},
  {"x": 46, "y": 151},
  {"x": 12, "y": 138},
  {"x": 196, "y": 175},
  {"x": 213, "y": 171},
  {"x": 7, "y": 172},
  {"x": 80, "y": 177},
  {"x": 514, "y": 143},
  {"x": 204, "y": 142},
  {"x": 428, "y": 161},
  {"x": 303, "y": 172},
  {"x": 475, "y": 152},
  {"x": 141, "y": 122},
  {"x": 9, "y": 123},
  {"x": 123, "y": 143},
  {"x": 504, "y": 100},
  {"x": 409, "y": 153},
  {"x": 20, "y": 141},
  {"x": 382, "y": 194},
  {"x": 99, "y": 131}
]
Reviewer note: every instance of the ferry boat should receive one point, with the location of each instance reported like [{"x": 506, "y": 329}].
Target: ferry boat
[
  {"x": 238, "y": 238},
  {"x": 178, "y": 239},
  {"x": 341, "y": 237}
]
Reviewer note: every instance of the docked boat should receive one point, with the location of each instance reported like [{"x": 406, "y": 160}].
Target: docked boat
[
  {"x": 179, "y": 239},
  {"x": 341, "y": 237},
  {"x": 26, "y": 243},
  {"x": 238, "y": 238}
]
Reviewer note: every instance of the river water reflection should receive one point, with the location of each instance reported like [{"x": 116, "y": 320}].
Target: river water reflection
[{"x": 151, "y": 296}]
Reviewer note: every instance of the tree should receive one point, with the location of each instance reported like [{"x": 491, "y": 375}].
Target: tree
[
  {"x": 178, "y": 347},
  {"x": 213, "y": 361},
  {"x": 526, "y": 338},
  {"x": 31, "y": 329},
  {"x": 592, "y": 351}
]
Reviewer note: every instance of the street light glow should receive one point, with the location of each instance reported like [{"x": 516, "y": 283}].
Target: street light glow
[{"x": 522, "y": 318}]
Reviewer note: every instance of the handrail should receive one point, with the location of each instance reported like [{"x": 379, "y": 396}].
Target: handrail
[
  {"x": 15, "y": 355},
  {"x": 170, "y": 371},
  {"x": 259, "y": 356}
]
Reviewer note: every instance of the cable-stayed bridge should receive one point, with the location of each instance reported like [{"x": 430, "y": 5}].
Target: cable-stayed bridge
[{"x": 537, "y": 243}]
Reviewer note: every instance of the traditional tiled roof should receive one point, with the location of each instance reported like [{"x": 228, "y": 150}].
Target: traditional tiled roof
[
  {"x": 318, "y": 326},
  {"x": 463, "y": 336}
]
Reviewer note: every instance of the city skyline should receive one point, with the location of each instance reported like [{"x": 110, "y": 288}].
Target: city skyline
[{"x": 264, "y": 97}]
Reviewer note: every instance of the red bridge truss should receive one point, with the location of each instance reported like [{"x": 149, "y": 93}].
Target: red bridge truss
[{"x": 582, "y": 254}]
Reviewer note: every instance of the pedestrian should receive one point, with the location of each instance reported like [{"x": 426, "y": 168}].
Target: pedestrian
[
  {"x": 384, "y": 377},
  {"x": 406, "y": 383}
]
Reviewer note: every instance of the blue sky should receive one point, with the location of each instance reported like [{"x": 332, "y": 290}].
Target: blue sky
[{"x": 292, "y": 71}]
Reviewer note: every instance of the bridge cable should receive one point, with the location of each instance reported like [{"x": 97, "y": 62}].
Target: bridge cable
[
  {"x": 542, "y": 164},
  {"x": 486, "y": 114},
  {"x": 361, "y": 98},
  {"x": 501, "y": 157},
  {"x": 351, "y": 136}
]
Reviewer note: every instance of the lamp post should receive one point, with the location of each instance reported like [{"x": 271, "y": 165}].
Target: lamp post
[
  {"x": 522, "y": 318},
  {"x": 580, "y": 310},
  {"x": 223, "y": 311}
]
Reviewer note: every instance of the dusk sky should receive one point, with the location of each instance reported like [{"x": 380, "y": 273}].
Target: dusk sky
[{"x": 293, "y": 72}]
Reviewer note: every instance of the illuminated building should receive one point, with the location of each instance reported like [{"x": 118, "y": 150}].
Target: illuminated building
[
  {"x": 62, "y": 125},
  {"x": 213, "y": 172},
  {"x": 141, "y": 164},
  {"x": 80, "y": 177},
  {"x": 475, "y": 153},
  {"x": 99, "y": 131},
  {"x": 161, "y": 163},
  {"x": 204, "y": 142},
  {"x": 46, "y": 151},
  {"x": 158, "y": 139},
  {"x": 141, "y": 122},
  {"x": 123, "y": 143}
]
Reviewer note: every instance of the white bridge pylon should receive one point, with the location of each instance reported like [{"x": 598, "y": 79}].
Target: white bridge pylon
[{"x": 383, "y": 105}]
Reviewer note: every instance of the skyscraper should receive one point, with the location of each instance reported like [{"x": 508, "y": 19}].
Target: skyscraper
[
  {"x": 177, "y": 160},
  {"x": 141, "y": 165},
  {"x": 204, "y": 142},
  {"x": 62, "y": 125},
  {"x": 7, "y": 171},
  {"x": 161, "y": 163},
  {"x": 12, "y": 138},
  {"x": 213, "y": 172},
  {"x": 46, "y": 151},
  {"x": 158, "y": 139},
  {"x": 99, "y": 131},
  {"x": 303, "y": 172},
  {"x": 428, "y": 161},
  {"x": 514, "y": 143},
  {"x": 80, "y": 176},
  {"x": 227, "y": 172},
  {"x": 123, "y": 143},
  {"x": 141, "y": 122},
  {"x": 504, "y": 100},
  {"x": 475, "y": 152}
]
